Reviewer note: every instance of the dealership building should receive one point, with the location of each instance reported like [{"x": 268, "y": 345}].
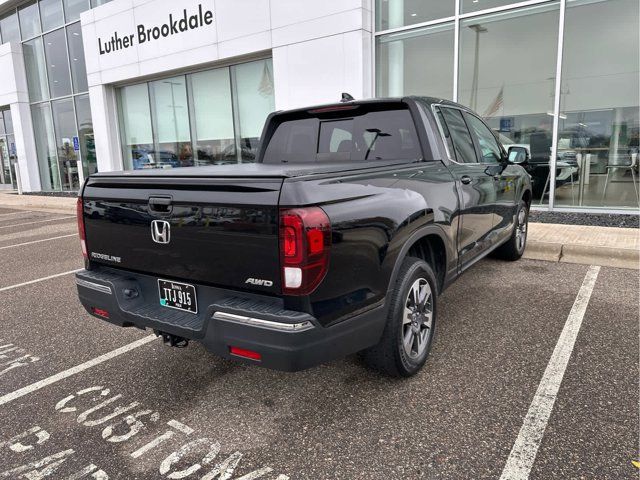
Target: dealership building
[{"x": 98, "y": 85}]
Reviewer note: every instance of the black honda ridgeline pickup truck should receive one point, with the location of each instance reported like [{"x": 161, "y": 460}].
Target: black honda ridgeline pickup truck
[{"x": 339, "y": 239}]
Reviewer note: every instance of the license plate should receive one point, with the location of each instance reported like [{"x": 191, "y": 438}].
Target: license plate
[{"x": 180, "y": 296}]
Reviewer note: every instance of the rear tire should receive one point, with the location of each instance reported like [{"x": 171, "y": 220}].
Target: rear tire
[
  {"x": 513, "y": 248},
  {"x": 406, "y": 341}
]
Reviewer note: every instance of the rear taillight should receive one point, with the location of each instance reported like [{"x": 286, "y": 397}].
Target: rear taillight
[
  {"x": 305, "y": 238},
  {"x": 81, "y": 232}
]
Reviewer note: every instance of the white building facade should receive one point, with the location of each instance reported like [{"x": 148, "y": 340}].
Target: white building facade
[{"x": 89, "y": 85}]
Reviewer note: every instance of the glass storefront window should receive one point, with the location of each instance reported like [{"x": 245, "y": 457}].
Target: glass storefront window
[
  {"x": 76, "y": 52},
  {"x": 64, "y": 123},
  {"x": 507, "y": 71},
  {"x": 35, "y": 65},
  {"x": 73, "y": 9},
  {"x": 170, "y": 114},
  {"x": 416, "y": 62},
  {"x": 7, "y": 149},
  {"x": 599, "y": 125},
  {"x": 135, "y": 122},
  {"x": 9, "y": 28},
  {"x": 55, "y": 47},
  {"x": 8, "y": 121},
  {"x": 85, "y": 135},
  {"x": 467, "y": 6},
  {"x": 46, "y": 147},
  {"x": 253, "y": 90},
  {"x": 5, "y": 170},
  {"x": 399, "y": 13},
  {"x": 212, "y": 117},
  {"x": 51, "y": 14},
  {"x": 56, "y": 73},
  {"x": 29, "y": 20}
]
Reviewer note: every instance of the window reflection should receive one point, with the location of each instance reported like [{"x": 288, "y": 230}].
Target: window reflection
[
  {"x": 76, "y": 52},
  {"x": 9, "y": 28},
  {"x": 398, "y": 13},
  {"x": 65, "y": 131},
  {"x": 507, "y": 74},
  {"x": 254, "y": 93},
  {"x": 214, "y": 141},
  {"x": 210, "y": 117},
  {"x": 29, "y": 20},
  {"x": 35, "y": 65},
  {"x": 600, "y": 131},
  {"x": 51, "y": 14},
  {"x": 85, "y": 135},
  {"x": 418, "y": 62},
  {"x": 73, "y": 8},
  {"x": 171, "y": 123},
  {"x": 135, "y": 121},
  {"x": 55, "y": 48},
  {"x": 46, "y": 147}
]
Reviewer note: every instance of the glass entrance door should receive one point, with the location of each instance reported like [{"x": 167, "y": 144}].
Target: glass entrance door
[{"x": 7, "y": 151}]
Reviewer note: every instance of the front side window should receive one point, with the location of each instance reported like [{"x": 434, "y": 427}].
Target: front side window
[
  {"x": 353, "y": 136},
  {"x": 490, "y": 151},
  {"x": 460, "y": 137}
]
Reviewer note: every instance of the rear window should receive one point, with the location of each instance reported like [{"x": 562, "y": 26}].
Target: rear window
[{"x": 352, "y": 136}]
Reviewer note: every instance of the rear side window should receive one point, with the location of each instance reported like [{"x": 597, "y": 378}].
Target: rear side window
[
  {"x": 460, "y": 137},
  {"x": 353, "y": 136}
]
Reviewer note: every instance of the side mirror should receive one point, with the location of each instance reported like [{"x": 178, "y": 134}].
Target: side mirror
[{"x": 518, "y": 155}]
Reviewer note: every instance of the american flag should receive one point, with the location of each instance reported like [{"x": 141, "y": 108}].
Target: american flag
[{"x": 496, "y": 104}]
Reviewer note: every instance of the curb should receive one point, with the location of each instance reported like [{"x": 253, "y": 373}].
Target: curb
[{"x": 583, "y": 254}]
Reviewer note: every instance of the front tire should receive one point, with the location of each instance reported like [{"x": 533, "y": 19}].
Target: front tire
[
  {"x": 514, "y": 247},
  {"x": 406, "y": 341}
]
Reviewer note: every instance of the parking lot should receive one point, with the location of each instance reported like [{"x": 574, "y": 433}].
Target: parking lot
[{"x": 81, "y": 398}]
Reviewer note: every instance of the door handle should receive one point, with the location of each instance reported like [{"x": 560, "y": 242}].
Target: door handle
[{"x": 466, "y": 179}]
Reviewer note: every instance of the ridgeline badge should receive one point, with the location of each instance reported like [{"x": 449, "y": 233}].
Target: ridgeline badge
[{"x": 143, "y": 34}]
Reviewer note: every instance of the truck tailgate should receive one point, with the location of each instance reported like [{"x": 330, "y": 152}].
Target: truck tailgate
[{"x": 221, "y": 231}]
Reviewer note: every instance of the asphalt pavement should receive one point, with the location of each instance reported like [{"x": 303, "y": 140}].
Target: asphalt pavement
[{"x": 80, "y": 398}]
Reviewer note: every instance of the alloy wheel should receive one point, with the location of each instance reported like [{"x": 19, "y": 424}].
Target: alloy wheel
[{"x": 417, "y": 319}]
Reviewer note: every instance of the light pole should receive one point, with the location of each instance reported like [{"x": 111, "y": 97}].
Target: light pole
[
  {"x": 173, "y": 106},
  {"x": 473, "y": 101}
]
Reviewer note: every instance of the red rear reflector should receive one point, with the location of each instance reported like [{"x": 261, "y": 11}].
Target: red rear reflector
[
  {"x": 241, "y": 352},
  {"x": 100, "y": 312}
]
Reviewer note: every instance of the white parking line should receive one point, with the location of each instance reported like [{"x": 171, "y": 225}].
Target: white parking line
[
  {"x": 9, "y": 397},
  {"x": 525, "y": 449},
  {"x": 39, "y": 221},
  {"x": 11, "y": 287},
  {"x": 38, "y": 241}
]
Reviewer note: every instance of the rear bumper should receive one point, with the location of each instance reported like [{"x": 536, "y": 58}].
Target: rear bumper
[{"x": 286, "y": 340}]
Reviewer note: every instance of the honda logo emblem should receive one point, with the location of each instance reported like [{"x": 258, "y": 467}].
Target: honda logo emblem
[{"x": 161, "y": 231}]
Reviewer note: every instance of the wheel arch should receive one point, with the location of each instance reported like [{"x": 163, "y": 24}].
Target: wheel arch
[{"x": 429, "y": 244}]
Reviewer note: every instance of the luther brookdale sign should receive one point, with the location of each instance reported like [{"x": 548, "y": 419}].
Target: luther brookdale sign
[{"x": 174, "y": 26}]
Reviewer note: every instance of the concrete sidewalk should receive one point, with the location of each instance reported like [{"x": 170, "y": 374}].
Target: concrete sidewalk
[
  {"x": 39, "y": 203},
  {"x": 606, "y": 246}
]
